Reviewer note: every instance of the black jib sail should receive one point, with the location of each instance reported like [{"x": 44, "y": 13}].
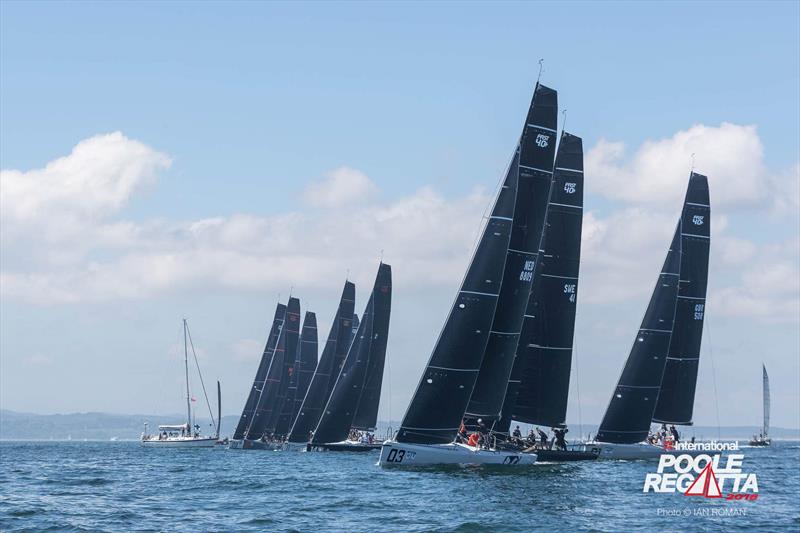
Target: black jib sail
[
  {"x": 536, "y": 152},
  {"x": 282, "y": 416},
  {"x": 676, "y": 399},
  {"x": 261, "y": 375},
  {"x": 628, "y": 416},
  {"x": 539, "y": 385},
  {"x": 307, "y": 360},
  {"x": 329, "y": 365},
  {"x": 337, "y": 418},
  {"x": 438, "y": 405},
  {"x": 268, "y": 401},
  {"x": 366, "y": 417}
]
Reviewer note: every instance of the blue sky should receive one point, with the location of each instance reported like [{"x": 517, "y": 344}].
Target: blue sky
[{"x": 253, "y": 102}]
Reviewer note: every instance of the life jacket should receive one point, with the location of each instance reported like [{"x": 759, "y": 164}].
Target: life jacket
[{"x": 473, "y": 440}]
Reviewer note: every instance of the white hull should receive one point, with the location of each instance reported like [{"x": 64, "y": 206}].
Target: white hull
[
  {"x": 402, "y": 454},
  {"x": 295, "y": 446},
  {"x": 633, "y": 452},
  {"x": 254, "y": 445},
  {"x": 181, "y": 442}
]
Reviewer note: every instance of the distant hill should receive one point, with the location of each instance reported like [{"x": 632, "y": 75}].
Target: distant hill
[{"x": 104, "y": 426}]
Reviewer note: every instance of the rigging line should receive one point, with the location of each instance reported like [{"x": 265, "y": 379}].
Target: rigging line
[
  {"x": 707, "y": 325},
  {"x": 213, "y": 421},
  {"x": 541, "y": 69},
  {"x": 692, "y": 171},
  {"x": 564, "y": 122},
  {"x": 578, "y": 387}
]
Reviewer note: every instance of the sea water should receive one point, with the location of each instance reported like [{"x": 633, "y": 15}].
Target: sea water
[{"x": 120, "y": 486}]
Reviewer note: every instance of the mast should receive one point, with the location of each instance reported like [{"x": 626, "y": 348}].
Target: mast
[
  {"x": 676, "y": 398},
  {"x": 539, "y": 385},
  {"x": 766, "y": 398},
  {"x": 219, "y": 407},
  {"x": 186, "y": 367},
  {"x": 536, "y": 151}
]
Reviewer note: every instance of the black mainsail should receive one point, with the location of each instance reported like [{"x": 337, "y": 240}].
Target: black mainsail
[
  {"x": 282, "y": 415},
  {"x": 536, "y": 152},
  {"x": 261, "y": 374},
  {"x": 676, "y": 399},
  {"x": 337, "y": 418},
  {"x": 327, "y": 369},
  {"x": 438, "y": 405},
  {"x": 539, "y": 385},
  {"x": 306, "y": 361},
  {"x": 366, "y": 417}
]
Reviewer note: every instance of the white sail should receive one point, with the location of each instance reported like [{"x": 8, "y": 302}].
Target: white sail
[{"x": 766, "y": 401}]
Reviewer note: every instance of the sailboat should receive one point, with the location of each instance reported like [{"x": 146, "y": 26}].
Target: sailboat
[
  {"x": 472, "y": 343},
  {"x": 538, "y": 389},
  {"x": 258, "y": 383},
  {"x": 353, "y": 403},
  {"x": 762, "y": 439},
  {"x": 185, "y": 435},
  {"x": 261, "y": 433},
  {"x": 660, "y": 376},
  {"x": 326, "y": 372}
]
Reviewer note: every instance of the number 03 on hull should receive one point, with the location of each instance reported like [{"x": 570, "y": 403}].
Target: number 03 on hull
[{"x": 407, "y": 454}]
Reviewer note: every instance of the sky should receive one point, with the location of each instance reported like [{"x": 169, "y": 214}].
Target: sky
[{"x": 204, "y": 160}]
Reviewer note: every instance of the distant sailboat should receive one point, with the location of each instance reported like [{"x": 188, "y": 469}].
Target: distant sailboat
[
  {"x": 667, "y": 347},
  {"x": 429, "y": 430},
  {"x": 763, "y": 438},
  {"x": 183, "y": 435}
]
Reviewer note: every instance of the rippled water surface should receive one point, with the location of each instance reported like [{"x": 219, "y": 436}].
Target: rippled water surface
[{"x": 119, "y": 486}]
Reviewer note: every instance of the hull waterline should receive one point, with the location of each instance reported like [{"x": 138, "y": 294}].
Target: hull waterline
[{"x": 180, "y": 443}]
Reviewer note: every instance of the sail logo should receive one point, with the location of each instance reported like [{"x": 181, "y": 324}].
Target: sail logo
[
  {"x": 703, "y": 475},
  {"x": 697, "y": 220},
  {"x": 699, "y": 310},
  {"x": 569, "y": 187},
  {"x": 527, "y": 271},
  {"x": 542, "y": 140},
  {"x": 570, "y": 288}
]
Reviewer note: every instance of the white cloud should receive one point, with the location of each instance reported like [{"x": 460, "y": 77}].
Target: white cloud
[
  {"x": 342, "y": 186},
  {"x": 102, "y": 258},
  {"x": 732, "y": 156}
]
